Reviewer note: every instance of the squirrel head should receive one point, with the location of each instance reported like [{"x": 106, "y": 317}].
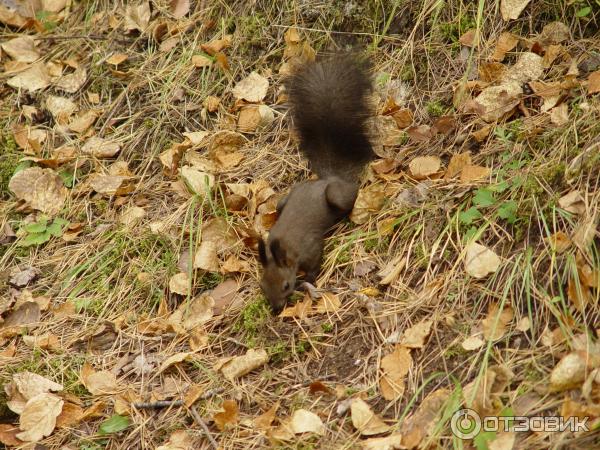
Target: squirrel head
[{"x": 279, "y": 274}]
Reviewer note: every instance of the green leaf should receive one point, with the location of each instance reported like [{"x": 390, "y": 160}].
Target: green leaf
[
  {"x": 470, "y": 234},
  {"x": 22, "y": 166},
  {"x": 469, "y": 216},
  {"x": 60, "y": 221},
  {"x": 55, "y": 229},
  {"x": 499, "y": 187},
  {"x": 508, "y": 211},
  {"x": 584, "y": 11},
  {"x": 68, "y": 177},
  {"x": 482, "y": 439},
  {"x": 484, "y": 197},
  {"x": 113, "y": 425},
  {"x": 37, "y": 227},
  {"x": 35, "y": 239}
]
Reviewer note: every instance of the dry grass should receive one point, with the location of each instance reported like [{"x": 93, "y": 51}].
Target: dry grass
[{"x": 162, "y": 96}]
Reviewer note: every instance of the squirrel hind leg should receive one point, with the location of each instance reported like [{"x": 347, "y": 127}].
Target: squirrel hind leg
[{"x": 341, "y": 195}]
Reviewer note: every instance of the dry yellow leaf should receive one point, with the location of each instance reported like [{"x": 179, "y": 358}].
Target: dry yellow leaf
[
  {"x": 506, "y": 42},
  {"x": 41, "y": 189},
  {"x": 229, "y": 416},
  {"x": 511, "y": 9},
  {"x": 38, "y": 418},
  {"x": 365, "y": 420},
  {"x": 424, "y": 166},
  {"x": 98, "y": 382},
  {"x": 495, "y": 324},
  {"x": 253, "y": 88},
  {"x": 415, "y": 336},
  {"x": 241, "y": 365},
  {"x": 480, "y": 261},
  {"x": 395, "y": 367}
]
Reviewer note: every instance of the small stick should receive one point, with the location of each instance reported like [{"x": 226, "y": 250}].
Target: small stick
[
  {"x": 158, "y": 404},
  {"x": 201, "y": 422}
]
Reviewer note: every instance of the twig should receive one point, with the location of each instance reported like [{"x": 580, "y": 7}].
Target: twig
[
  {"x": 159, "y": 404},
  {"x": 201, "y": 422}
]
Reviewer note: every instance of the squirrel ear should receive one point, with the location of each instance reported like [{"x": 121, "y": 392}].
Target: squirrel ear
[
  {"x": 262, "y": 252},
  {"x": 278, "y": 252}
]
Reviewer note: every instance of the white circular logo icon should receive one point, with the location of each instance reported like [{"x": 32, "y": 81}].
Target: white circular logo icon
[{"x": 465, "y": 424}]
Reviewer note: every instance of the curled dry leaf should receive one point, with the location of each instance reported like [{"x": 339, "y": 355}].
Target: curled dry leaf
[
  {"x": 421, "y": 133},
  {"x": 472, "y": 343},
  {"x": 415, "y": 336},
  {"x": 265, "y": 420},
  {"x": 32, "y": 79},
  {"x": 179, "y": 440},
  {"x": 192, "y": 314},
  {"x": 112, "y": 184},
  {"x": 366, "y": 421},
  {"x": 241, "y": 365},
  {"x": 572, "y": 202},
  {"x": 82, "y": 121},
  {"x": 253, "y": 88},
  {"x": 495, "y": 324},
  {"x": 98, "y": 382},
  {"x": 572, "y": 370},
  {"x": 72, "y": 82},
  {"x": 593, "y": 83},
  {"x": 506, "y": 42},
  {"x": 26, "y": 386},
  {"x": 395, "y": 367},
  {"x": 369, "y": 201},
  {"x": 199, "y": 182},
  {"x": 300, "y": 309},
  {"x": 229, "y": 416},
  {"x": 100, "y": 148},
  {"x": 180, "y": 283},
  {"x": 137, "y": 17},
  {"x": 559, "y": 242},
  {"x": 512, "y": 9},
  {"x": 41, "y": 189},
  {"x": 423, "y": 167},
  {"x": 21, "y": 49},
  {"x": 217, "y": 45},
  {"x": 61, "y": 108},
  {"x": 423, "y": 421},
  {"x": 173, "y": 359},
  {"x": 38, "y": 418},
  {"x": 201, "y": 61},
  {"x": 480, "y": 261},
  {"x": 391, "y": 442},
  {"x": 255, "y": 117},
  {"x": 495, "y": 101}
]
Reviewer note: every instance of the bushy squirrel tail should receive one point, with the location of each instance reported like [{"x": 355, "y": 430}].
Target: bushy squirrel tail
[{"x": 330, "y": 107}]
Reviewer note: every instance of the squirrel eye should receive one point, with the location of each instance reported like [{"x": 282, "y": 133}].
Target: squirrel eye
[{"x": 286, "y": 285}]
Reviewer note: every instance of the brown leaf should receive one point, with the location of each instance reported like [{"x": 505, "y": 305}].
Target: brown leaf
[
  {"x": 423, "y": 421},
  {"x": 403, "y": 118},
  {"x": 572, "y": 370},
  {"x": 98, "y": 382},
  {"x": 559, "y": 115},
  {"x": 179, "y": 8},
  {"x": 241, "y": 365},
  {"x": 495, "y": 101},
  {"x": 369, "y": 201},
  {"x": 457, "y": 163},
  {"x": 471, "y": 173},
  {"x": 393, "y": 441},
  {"x": 491, "y": 72},
  {"x": 21, "y": 49},
  {"x": 328, "y": 303},
  {"x": 180, "y": 283},
  {"x": 201, "y": 61},
  {"x": 72, "y": 82},
  {"x": 472, "y": 343},
  {"x": 33, "y": 79},
  {"x": 511, "y": 9},
  {"x": 415, "y": 336},
  {"x": 38, "y": 418},
  {"x": 217, "y": 45},
  {"x": 395, "y": 367},
  {"x": 224, "y": 294},
  {"x": 366, "y": 421},
  {"x": 421, "y": 133},
  {"x": 137, "y": 17},
  {"x": 593, "y": 86},
  {"x": 8, "y": 433},
  {"x": 423, "y": 167},
  {"x": 265, "y": 420},
  {"x": 506, "y": 42},
  {"x": 495, "y": 324},
  {"x": 255, "y": 117},
  {"x": 228, "y": 417},
  {"x": 444, "y": 124},
  {"x": 117, "y": 58},
  {"x": 468, "y": 38},
  {"x": 555, "y": 33},
  {"x": 112, "y": 184},
  {"x": 559, "y": 242},
  {"x": 572, "y": 202},
  {"x": 70, "y": 415},
  {"x": 480, "y": 261},
  {"x": 100, "y": 148},
  {"x": 253, "y": 88}
]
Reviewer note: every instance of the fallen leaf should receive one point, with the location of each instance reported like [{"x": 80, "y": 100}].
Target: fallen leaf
[
  {"x": 227, "y": 417},
  {"x": 423, "y": 167},
  {"x": 38, "y": 418},
  {"x": 137, "y": 17},
  {"x": 572, "y": 202},
  {"x": 180, "y": 283},
  {"x": 179, "y": 440},
  {"x": 495, "y": 101},
  {"x": 8, "y": 433},
  {"x": 265, "y": 420},
  {"x": 559, "y": 242},
  {"x": 46, "y": 341},
  {"x": 112, "y": 184},
  {"x": 100, "y": 148},
  {"x": 366, "y": 421},
  {"x": 241, "y": 365},
  {"x": 192, "y": 314},
  {"x": 395, "y": 367},
  {"x": 471, "y": 173},
  {"x": 255, "y": 117},
  {"x": 527, "y": 68},
  {"x": 555, "y": 33},
  {"x": 173, "y": 359},
  {"x": 480, "y": 261},
  {"x": 415, "y": 336},
  {"x": 98, "y": 382},
  {"x": 117, "y": 58},
  {"x": 21, "y": 49},
  {"x": 421, "y": 133},
  {"x": 423, "y": 422},
  {"x": 506, "y": 42},
  {"x": 403, "y": 118},
  {"x": 33, "y": 79},
  {"x": 199, "y": 182},
  {"x": 72, "y": 82},
  {"x": 217, "y": 45},
  {"x": 25, "y": 316},
  {"x": 70, "y": 415},
  {"x": 559, "y": 115},
  {"x": 391, "y": 442},
  {"x": 300, "y": 309},
  {"x": 495, "y": 324},
  {"x": 369, "y": 201},
  {"x": 304, "y": 421},
  {"x": 593, "y": 86},
  {"x": 179, "y": 8},
  {"x": 201, "y": 61},
  {"x": 328, "y": 303},
  {"x": 468, "y": 38},
  {"x": 472, "y": 343},
  {"x": 524, "y": 324},
  {"x": 26, "y": 386},
  {"x": 572, "y": 370},
  {"x": 253, "y": 88},
  {"x": 491, "y": 72},
  {"x": 457, "y": 163},
  {"x": 391, "y": 271},
  {"x": 61, "y": 108},
  {"x": 224, "y": 294},
  {"x": 511, "y": 9}
]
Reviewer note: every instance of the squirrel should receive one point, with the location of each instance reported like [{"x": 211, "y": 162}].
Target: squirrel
[{"x": 330, "y": 105}]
